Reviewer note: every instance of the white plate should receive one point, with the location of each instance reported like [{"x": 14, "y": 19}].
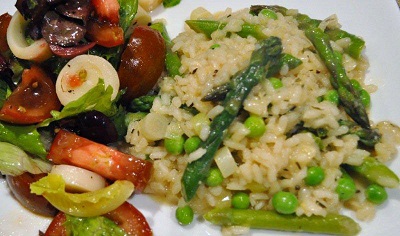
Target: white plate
[{"x": 378, "y": 22}]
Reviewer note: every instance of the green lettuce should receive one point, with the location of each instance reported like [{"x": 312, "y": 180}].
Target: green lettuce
[
  {"x": 98, "y": 98},
  {"x": 88, "y": 204},
  {"x": 92, "y": 226},
  {"x": 25, "y": 137},
  {"x": 14, "y": 161}
]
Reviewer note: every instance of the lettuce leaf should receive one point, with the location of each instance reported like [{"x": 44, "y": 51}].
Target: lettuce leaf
[
  {"x": 89, "y": 204},
  {"x": 92, "y": 226},
  {"x": 25, "y": 137},
  {"x": 14, "y": 161},
  {"x": 98, "y": 98}
]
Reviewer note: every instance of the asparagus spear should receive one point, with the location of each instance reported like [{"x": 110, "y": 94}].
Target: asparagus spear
[
  {"x": 368, "y": 137},
  {"x": 376, "y": 172},
  {"x": 196, "y": 171},
  {"x": 207, "y": 27},
  {"x": 261, "y": 219},
  {"x": 355, "y": 47},
  {"x": 218, "y": 93},
  {"x": 348, "y": 96}
]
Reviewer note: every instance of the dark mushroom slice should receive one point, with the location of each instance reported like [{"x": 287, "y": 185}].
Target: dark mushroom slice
[
  {"x": 33, "y": 12},
  {"x": 61, "y": 31}
]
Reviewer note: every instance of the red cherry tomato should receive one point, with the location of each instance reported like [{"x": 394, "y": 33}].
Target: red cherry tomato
[
  {"x": 107, "y": 10},
  {"x": 20, "y": 187},
  {"x": 33, "y": 99},
  {"x": 142, "y": 62},
  {"x": 126, "y": 216},
  {"x": 130, "y": 219},
  {"x": 69, "y": 148},
  {"x": 104, "y": 34},
  {"x": 4, "y": 22}
]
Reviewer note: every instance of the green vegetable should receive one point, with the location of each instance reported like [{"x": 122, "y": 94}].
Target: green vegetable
[
  {"x": 142, "y": 104},
  {"x": 376, "y": 172},
  {"x": 218, "y": 93},
  {"x": 315, "y": 175},
  {"x": 214, "y": 177},
  {"x": 240, "y": 200},
  {"x": 170, "y": 3},
  {"x": 332, "y": 96},
  {"x": 276, "y": 83},
  {"x": 172, "y": 60},
  {"x": 14, "y": 161},
  {"x": 356, "y": 43},
  {"x": 88, "y": 204},
  {"x": 4, "y": 92},
  {"x": 346, "y": 188},
  {"x": 255, "y": 125},
  {"x": 214, "y": 46},
  {"x": 25, "y": 137},
  {"x": 174, "y": 145},
  {"x": 97, "y": 98},
  {"x": 365, "y": 98},
  {"x": 93, "y": 226},
  {"x": 269, "y": 13},
  {"x": 285, "y": 202},
  {"x": 184, "y": 215},
  {"x": 368, "y": 137},
  {"x": 261, "y": 219},
  {"x": 127, "y": 13},
  {"x": 267, "y": 53},
  {"x": 348, "y": 96},
  {"x": 191, "y": 144},
  {"x": 376, "y": 194},
  {"x": 207, "y": 27}
]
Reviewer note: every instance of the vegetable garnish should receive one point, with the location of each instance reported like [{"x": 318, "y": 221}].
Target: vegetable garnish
[{"x": 95, "y": 203}]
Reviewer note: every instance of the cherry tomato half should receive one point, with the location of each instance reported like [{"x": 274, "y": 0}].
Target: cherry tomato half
[
  {"x": 4, "y": 22},
  {"x": 142, "y": 62},
  {"x": 104, "y": 33},
  {"x": 69, "y": 148},
  {"x": 32, "y": 100},
  {"x": 19, "y": 186},
  {"x": 126, "y": 216},
  {"x": 107, "y": 10}
]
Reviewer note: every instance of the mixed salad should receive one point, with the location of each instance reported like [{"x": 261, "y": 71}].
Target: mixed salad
[{"x": 70, "y": 72}]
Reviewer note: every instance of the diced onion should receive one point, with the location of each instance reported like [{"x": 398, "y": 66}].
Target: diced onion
[{"x": 225, "y": 162}]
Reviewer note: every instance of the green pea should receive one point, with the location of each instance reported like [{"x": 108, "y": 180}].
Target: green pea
[
  {"x": 376, "y": 194},
  {"x": 191, "y": 144},
  {"x": 269, "y": 13},
  {"x": 356, "y": 85},
  {"x": 285, "y": 202},
  {"x": 214, "y": 177},
  {"x": 331, "y": 96},
  {"x": 184, "y": 215},
  {"x": 365, "y": 98},
  {"x": 346, "y": 188},
  {"x": 276, "y": 83},
  {"x": 255, "y": 125},
  {"x": 240, "y": 200},
  {"x": 174, "y": 145},
  {"x": 315, "y": 175}
]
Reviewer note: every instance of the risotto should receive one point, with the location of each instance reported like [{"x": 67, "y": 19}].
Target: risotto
[{"x": 274, "y": 161}]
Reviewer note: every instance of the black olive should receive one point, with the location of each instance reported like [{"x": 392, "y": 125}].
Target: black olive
[{"x": 92, "y": 125}]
